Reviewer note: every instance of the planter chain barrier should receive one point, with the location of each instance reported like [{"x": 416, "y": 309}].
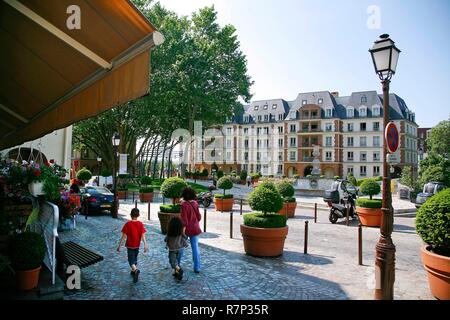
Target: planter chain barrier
[
  {"x": 315, "y": 212},
  {"x": 231, "y": 224},
  {"x": 360, "y": 257},
  {"x": 204, "y": 219},
  {"x": 306, "y": 238}
]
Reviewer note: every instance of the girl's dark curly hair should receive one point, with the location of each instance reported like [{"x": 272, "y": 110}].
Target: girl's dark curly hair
[
  {"x": 189, "y": 194},
  {"x": 175, "y": 227}
]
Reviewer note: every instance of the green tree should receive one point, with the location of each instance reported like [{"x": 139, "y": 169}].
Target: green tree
[
  {"x": 370, "y": 187},
  {"x": 438, "y": 141},
  {"x": 199, "y": 73}
]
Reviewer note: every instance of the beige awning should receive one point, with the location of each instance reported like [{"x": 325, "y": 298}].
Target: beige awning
[{"x": 52, "y": 76}]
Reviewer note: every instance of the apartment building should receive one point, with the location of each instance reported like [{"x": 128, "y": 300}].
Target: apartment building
[{"x": 277, "y": 137}]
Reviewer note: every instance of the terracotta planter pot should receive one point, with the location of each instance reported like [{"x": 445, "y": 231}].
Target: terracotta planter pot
[
  {"x": 121, "y": 195},
  {"x": 290, "y": 207},
  {"x": 27, "y": 279},
  {"x": 224, "y": 204},
  {"x": 264, "y": 242},
  {"x": 369, "y": 217},
  {"x": 438, "y": 269},
  {"x": 146, "y": 197},
  {"x": 164, "y": 219}
]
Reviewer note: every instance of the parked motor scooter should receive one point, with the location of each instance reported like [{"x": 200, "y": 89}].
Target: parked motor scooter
[
  {"x": 338, "y": 197},
  {"x": 205, "y": 199}
]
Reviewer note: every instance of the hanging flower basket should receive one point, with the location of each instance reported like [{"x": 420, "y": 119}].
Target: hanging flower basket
[{"x": 36, "y": 188}]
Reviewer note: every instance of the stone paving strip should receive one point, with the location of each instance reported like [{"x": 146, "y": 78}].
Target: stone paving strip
[{"x": 329, "y": 271}]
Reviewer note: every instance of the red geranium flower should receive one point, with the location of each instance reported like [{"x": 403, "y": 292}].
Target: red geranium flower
[
  {"x": 52, "y": 161},
  {"x": 47, "y": 164}
]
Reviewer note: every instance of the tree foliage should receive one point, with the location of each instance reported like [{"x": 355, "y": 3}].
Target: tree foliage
[
  {"x": 199, "y": 73},
  {"x": 370, "y": 187},
  {"x": 265, "y": 200}
]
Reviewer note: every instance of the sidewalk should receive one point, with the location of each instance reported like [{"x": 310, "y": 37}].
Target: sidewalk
[{"x": 328, "y": 271}]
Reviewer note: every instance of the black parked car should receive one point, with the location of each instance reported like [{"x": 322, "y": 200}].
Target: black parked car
[
  {"x": 429, "y": 190},
  {"x": 97, "y": 199}
]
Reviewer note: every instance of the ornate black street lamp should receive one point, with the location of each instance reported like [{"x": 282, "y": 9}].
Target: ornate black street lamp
[
  {"x": 385, "y": 57},
  {"x": 99, "y": 161},
  {"x": 115, "y": 143}
]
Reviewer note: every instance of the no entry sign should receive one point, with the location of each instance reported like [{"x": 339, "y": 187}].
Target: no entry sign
[{"x": 392, "y": 137}]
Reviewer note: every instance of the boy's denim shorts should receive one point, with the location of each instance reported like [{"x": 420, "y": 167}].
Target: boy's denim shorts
[{"x": 132, "y": 256}]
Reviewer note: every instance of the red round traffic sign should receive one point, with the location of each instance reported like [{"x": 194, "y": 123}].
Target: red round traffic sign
[{"x": 392, "y": 137}]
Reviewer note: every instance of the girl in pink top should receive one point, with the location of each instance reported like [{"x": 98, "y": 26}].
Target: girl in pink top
[{"x": 190, "y": 216}]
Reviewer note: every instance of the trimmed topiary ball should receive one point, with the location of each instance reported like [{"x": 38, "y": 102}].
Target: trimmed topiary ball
[
  {"x": 370, "y": 187},
  {"x": 433, "y": 222},
  {"x": 27, "y": 251},
  {"x": 286, "y": 189},
  {"x": 267, "y": 184},
  {"x": 265, "y": 200},
  {"x": 84, "y": 174},
  {"x": 173, "y": 187},
  {"x": 225, "y": 183},
  {"x": 146, "y": 181}
]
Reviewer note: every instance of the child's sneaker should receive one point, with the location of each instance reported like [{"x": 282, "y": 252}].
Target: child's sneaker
[
  {"x": 136, "y": 276},
  {"x": 179, "y": 274}
]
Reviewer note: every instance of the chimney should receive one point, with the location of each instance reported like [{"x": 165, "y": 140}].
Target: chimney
[{"x": 335, "y": 94}]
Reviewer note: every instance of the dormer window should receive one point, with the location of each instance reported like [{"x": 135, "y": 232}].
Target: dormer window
[
  {"x": 362, "y": 112},
  {"x": 350, "y": 113},
  {"x": 259, "y": 118},
  {"x": 363, "y": 99},
  {"x": 280, "y": 117},
  {"x": 293, "y": 115},
  {"x": 265, "y": 107},
  {"x": 320, "y": 101},
  {"x": 304, "y": 102},
  {"x": 274, "y": 107},
  {"x": 256, "y": 108},
  {"x": 266, "y": 117},
  {"x": 328, "y": 113},
  {"x": 246, "y": 118},
  {"x": 376, "y": 111}
]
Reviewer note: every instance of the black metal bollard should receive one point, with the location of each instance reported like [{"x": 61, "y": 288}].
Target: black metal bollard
[
  {"x": 135, "y": 204},
  {"x": 306, "y": 238},
  {"x": 347, "y": 214},
  {"x": 133, "y": 195},
  {"x": 241, "y": 206},
  {"x": 149, "y": 211},
  {"x": 204, "y": 219},
  {"x": 315, "y": 212},
  {"x": 126, "y": 195},
  {"x": 86, "y": 210},
  {"x": 360, "y": 257},
  {"x": 231, "y": 224}
]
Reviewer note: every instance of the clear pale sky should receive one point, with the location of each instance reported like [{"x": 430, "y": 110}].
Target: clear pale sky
[{"x": 295, "y": 46}]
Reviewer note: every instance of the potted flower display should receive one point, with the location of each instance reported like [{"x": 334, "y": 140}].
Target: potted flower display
[
  {"x": 287, "y": 191},
  {"x": 27, "y": 252},
  {"x": 222, "y": 201},
  {"x": 369, "y": 210},
  {"x": 170, "y": 188},
  {"x": 146, "y": 191},
  {"x": 264, "y": 231},
  {"x": 433, "y": 226}
]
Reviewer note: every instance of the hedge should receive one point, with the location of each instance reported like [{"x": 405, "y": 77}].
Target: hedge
[
  {"x": 368, "y": 203},
  {"x": 260, "y": 220},
  {"x": 84, "y": 174},
  {"x": 285, "y": 188},
  {"x": 223, "y": 196},
  {"x": 173, "y": 187},
  {"x": 146, "y": 190},
  {"x": 170, "y": 208},
  {"x": 289, "y": 199},
  {"x": 266, "y": 200},
  {"x": 433, "y": 222}
]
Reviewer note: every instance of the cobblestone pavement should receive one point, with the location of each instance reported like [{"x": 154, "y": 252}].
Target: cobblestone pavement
[{"x": 329, "y": 270}]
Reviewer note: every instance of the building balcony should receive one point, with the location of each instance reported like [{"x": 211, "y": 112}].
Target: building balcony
[
  {"x": 308, "y": 159},
  {"x": 309, "y": 130}
]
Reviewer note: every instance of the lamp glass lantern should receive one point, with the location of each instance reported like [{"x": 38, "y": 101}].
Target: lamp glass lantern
[
  {"x": 99, "y": 159},
  {"x": 385, "y": 57},
  {"x": 116, "y": 140}
]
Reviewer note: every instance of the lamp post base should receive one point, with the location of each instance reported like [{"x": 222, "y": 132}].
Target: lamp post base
[{"x": 385, "y": 269}]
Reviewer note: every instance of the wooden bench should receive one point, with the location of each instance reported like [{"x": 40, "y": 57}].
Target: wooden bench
[{"x": 74, "y": 254}]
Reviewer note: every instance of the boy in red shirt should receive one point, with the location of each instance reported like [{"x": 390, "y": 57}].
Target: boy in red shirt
[{"x": 134, "y": 231}]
